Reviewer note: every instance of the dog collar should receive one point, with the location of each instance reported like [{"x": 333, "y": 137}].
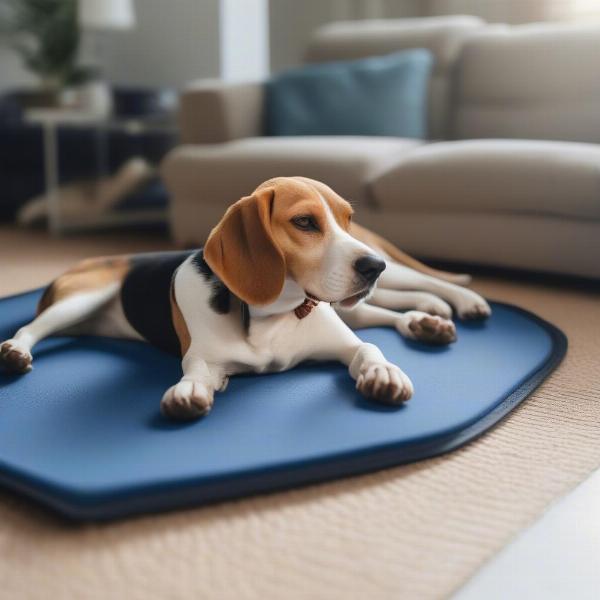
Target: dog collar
[{"x": 303, "y": 310}]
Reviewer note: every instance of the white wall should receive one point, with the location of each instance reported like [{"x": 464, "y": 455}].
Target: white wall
[
  {"x": 244, "y": 39},
  {"x": 173, "y": 42},
  {"x": 12, "y": 73}
]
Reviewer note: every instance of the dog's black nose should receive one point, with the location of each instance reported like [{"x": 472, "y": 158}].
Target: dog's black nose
[{"x": 369, "y": 267}]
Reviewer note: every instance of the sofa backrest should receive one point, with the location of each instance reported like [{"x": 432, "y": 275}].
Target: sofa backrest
[
  {"x": 443, "y": 36},
  {"x": 538, "y": 81}
]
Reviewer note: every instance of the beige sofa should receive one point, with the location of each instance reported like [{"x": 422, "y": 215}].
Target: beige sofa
[{"x": 510, "y": 176}]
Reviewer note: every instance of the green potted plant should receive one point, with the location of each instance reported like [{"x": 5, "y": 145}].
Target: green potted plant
[{"x": 46, "y": 34}]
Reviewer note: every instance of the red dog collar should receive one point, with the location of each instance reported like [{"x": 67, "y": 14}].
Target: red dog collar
[{"x": 303, "y": 310}]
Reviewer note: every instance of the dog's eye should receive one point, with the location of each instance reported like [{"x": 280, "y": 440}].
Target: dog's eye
[{"x": 305, "y": 223}]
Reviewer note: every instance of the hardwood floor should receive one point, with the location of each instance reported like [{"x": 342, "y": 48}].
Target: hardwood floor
[{"x": 32, "y": 258}]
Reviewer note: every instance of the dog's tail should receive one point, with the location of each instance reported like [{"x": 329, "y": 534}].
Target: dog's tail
[{"x": 379, "y": 243}]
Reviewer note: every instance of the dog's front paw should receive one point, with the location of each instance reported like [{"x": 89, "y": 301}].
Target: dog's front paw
[
  {"x": 384, "y": 382},
  {"x": 433, "y": 305},
  {"x": 427, "y": 328},
  {"x": 186, "y": 401},
  {"x": 472, "y": 306},
  {"x": 15, "y": 357}
]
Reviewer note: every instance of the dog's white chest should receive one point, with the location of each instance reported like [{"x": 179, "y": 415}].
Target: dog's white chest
[{"x": 271, "y": 340}]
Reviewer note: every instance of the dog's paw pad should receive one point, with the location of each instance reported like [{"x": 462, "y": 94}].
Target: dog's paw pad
[
  {"x": 187, "y": 401},
  {"x": 15, "y": 358},
  {"x": 384, "y": 382},
  {"x": 432, "y": 329}
]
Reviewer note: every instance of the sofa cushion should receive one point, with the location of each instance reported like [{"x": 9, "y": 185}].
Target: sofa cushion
[
  {"x": 229, "y": 171},
  {"x": 500, "y": 176},
  {"x": 535, "y": 81},
  {"x": 205, "y": 180},
  {"x": 380, "y": 95}
]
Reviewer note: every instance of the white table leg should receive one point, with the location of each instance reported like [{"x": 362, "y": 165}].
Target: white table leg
[{"x": 51, "y": 176}]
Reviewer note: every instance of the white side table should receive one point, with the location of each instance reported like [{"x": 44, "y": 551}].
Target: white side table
[{"x": 50, "y": 120}]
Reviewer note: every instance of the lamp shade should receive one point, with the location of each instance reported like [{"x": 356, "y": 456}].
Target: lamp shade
[{"x": 106, "y": 14}]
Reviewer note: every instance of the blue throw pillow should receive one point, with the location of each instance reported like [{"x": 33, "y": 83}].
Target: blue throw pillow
[{"x": 381, "y": 95}]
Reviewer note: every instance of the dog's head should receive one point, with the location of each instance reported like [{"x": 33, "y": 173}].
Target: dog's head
[{"x": 297, "y": 228}]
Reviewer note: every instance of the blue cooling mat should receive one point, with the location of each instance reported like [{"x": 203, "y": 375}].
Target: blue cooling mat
[{"x": 83, "y": 433}]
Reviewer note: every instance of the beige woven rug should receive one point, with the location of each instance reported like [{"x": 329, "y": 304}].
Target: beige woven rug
[{"x": 417, "y": 531}]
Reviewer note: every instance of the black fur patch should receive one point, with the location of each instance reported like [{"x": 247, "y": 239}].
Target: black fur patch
[
  {"x": 245, "y": 310},
  {"x": 220, "y": 298},
  {"x": 146, "y": 297},
  {"x": 201, "y": 265}
]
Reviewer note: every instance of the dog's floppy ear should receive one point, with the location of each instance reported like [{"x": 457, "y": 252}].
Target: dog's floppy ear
[{"x": 241, "y": 250}]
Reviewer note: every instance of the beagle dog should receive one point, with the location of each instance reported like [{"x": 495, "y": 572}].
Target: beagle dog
[{"x": 281, "y": 279}]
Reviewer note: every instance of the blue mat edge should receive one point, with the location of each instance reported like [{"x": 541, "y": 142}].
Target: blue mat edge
[{"x": 100, "y": 507}]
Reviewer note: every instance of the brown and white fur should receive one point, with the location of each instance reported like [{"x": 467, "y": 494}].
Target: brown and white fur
[{"x": 290, "y": 256}]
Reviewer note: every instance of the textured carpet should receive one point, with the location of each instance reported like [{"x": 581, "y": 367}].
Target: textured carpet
[{"x": 417, "y": 531}]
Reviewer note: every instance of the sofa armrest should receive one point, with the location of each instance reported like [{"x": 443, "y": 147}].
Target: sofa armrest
[{"x": 213, "y": 111}]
